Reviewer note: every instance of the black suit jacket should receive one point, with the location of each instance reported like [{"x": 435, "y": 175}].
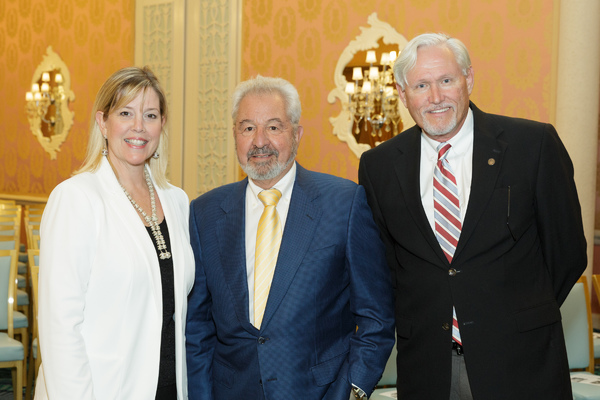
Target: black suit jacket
[{"x": 520, "y": 251}]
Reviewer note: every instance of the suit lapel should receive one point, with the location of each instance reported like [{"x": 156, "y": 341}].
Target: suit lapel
[
  {"x": 230, "y": 228},
  {"x": 408, "y": 169},
  {"x": 488, "y": 154},
  {"x": 302, "y": 220}
]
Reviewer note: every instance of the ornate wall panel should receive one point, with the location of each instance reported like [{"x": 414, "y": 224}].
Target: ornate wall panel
[
  {"x": 212, "y": 71},
  {"x": 192, "y": 42},
  {"x": 159, "y": 44}
]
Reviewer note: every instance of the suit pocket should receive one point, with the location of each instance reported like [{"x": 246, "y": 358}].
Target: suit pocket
[
  {"x": 538, "y": 316},
  {"x": 519, "y": 208},
  {"x": 319, "y": 254},
  {"x": 327, "y": 372},
  {"x": 222, "y": 374}
]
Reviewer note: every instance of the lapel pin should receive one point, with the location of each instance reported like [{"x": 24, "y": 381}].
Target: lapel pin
[{"x": 491, "y": 161}]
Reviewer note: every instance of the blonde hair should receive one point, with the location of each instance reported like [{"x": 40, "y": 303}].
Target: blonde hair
[{"x": 121, "y": 88}]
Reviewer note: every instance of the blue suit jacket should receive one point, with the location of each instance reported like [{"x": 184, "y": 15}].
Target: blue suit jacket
[{"x": 331, "y": 277}]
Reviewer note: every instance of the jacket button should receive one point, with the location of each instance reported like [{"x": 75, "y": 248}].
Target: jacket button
[
  {"x": 262, "y": 340},
  {"x": 445, "y": 326},
  {"x": 451, "y": 272}
]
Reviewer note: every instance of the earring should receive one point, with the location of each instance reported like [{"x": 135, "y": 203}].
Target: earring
[
  {"x": 104, "y": 149},
  {"x": 155, "y": 155}
]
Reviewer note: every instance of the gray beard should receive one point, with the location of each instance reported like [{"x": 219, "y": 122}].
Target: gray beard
[
  {"x": 268, "y": 170},
  {"x": 439, "y": 131}
]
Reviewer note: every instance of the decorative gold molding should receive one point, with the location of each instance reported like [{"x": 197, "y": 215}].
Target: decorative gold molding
[{"x": 342, "y": 123}]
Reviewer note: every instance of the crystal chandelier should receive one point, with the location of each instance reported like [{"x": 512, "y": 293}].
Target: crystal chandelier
[
  {"x": 373, "y": 97},
  {"x": 44, "y": 102}
]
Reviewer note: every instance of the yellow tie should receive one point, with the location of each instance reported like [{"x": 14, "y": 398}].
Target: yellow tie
[{"x": 268, "y": 240}]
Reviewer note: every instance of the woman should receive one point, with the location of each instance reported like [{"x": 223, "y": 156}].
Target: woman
[{"x": 115, "y": 261}]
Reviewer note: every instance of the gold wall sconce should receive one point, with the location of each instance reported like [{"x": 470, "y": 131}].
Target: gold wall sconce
[
  {"x": 371, "y": 108},
  {"x": 47, "y": 104}
]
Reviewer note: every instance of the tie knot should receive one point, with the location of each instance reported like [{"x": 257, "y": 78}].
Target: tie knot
[
  {"x": 270, "y": 197},
  {"x": 443, "y": 150}
]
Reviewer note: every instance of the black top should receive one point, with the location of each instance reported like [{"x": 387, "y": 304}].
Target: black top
[{"x": 167, "y": 388}]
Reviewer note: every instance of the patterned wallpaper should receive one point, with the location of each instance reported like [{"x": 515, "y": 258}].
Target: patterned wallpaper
[
  {"x": 510, "y": 41},
  {"x": 94, "y": 38}
]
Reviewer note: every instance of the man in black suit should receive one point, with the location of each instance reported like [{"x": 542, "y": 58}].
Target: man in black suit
[{"x": 487, "y": 229}]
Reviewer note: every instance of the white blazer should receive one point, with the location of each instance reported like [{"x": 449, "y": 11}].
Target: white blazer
[{"x": 100, "y": 308}]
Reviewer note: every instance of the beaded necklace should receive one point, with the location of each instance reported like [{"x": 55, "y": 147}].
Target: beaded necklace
[{"x": 152, "y": 221}]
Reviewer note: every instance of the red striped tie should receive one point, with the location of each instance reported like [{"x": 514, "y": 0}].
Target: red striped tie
[{"x": 446, "y": 211}]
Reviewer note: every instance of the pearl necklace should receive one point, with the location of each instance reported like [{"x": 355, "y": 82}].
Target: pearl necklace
[{"x": 153, "y": 220}]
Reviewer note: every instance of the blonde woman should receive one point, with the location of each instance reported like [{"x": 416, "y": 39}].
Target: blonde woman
[{"x": 115, "y": 261}]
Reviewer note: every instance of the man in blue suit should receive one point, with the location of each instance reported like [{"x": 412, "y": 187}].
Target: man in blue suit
[{"x": 327, "y": 327}]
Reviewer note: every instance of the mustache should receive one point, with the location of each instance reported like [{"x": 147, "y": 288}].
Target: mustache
[{"x": 261, "y": 151}]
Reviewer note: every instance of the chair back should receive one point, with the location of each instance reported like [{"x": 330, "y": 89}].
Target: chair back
[
  {"x": 10, "y": 216},
  {"x": 32, "y": 227},
  {"x": 9, "y": 220},
  {"x": 34, "y": 218},
  {"x": 32, "y": 210},
  {"x": 11, "y": 209},
  {"x": 596, "y": 285},
  {"x": 36, "y": 242},
  {"x": 8, "y": 273},
  {"x": 577, "y": 327},
  {"x": 8, "y": 230},
  {"x": 34, "y": 269},
  {"x": 8, "y": 243}
]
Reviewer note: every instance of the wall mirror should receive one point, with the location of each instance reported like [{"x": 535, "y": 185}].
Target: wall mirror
[
  {"x": 364, "y": 84},
  {"x": 47, "y": 103}
]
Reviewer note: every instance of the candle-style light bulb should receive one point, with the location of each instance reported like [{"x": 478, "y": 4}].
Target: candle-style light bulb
[
  {"x": 371, "y": 57},
  {"x": 373, "y": 73},
  {"x": 350, "y": 88},
  {"x": 366, "y": 87},
  {"x": 357, "y": 74},
  {"x": 385, "y": 58}
]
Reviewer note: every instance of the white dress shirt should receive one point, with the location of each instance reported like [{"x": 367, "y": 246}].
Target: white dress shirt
[
  {"x": 460, "y": 159},
  {"x": 254, "y": 209}
]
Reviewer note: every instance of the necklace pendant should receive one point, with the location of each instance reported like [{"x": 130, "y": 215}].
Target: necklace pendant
[{"x": 151, "y": 220}]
